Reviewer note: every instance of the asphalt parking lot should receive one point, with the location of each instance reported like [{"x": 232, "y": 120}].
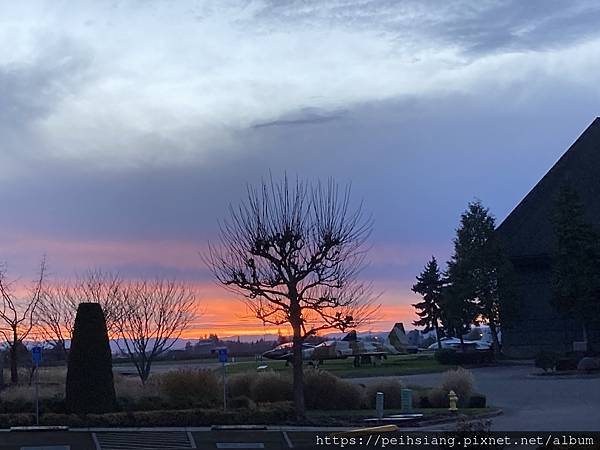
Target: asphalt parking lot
[{"x": 531, "y": 403}]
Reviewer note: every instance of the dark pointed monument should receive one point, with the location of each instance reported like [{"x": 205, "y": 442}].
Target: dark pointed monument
[{"x": 529, "y": 239}]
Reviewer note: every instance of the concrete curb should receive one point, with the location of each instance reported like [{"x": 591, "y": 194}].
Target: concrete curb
[{"x": 487, "y": 415}]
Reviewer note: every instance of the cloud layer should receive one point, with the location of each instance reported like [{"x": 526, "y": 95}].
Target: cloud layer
[{"x": 128, "y": 127}]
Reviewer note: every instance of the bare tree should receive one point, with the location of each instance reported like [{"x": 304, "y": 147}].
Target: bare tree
[
  {"x": 58, "y": 306},
  {"x": 56, "y": 316},
  {"x": 18, "y": 314},
  {"x": 153, "y": 316},
  {"x": 106, "y": 288},
  {"x": 294, "y": 253}
]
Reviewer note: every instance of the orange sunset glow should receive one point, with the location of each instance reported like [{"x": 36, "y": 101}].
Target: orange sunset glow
[
  {"x": 223, "y": 314},
  {"x": 219, "y": 311}
]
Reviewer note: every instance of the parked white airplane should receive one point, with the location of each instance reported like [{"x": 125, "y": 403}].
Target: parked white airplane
[{"x": 454, "y": 343}]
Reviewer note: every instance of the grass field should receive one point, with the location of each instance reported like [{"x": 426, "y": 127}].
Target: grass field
[{"x": 394, "y": 365}]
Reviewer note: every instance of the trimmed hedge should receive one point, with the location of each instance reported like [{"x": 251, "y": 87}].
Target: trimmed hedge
[
  {"x": 547, "y": 360},
  {"x": 90, "y": 386},
  {"x": 448, "y": 356},
  {"x": 275, "y": 413},
  {"x": 569, "y": 363},
  {"x": 477, "y": 401}
]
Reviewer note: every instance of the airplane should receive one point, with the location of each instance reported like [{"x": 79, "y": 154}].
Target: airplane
[
  {"x": 476, "y": 339},
  {"x": 283, "y": 352},
  {"x": 454, "y": 343},
  {"x": 364, "y": 350}
]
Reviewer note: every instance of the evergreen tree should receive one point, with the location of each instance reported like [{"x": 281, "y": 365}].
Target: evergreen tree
[
  {"x": 576, "y": 282},
  {"x": 478, "y": 272},
  {"x": 457, "y": 309},
  {"x": 429, "y": 285},
  {"x": 90, "y": 385}
]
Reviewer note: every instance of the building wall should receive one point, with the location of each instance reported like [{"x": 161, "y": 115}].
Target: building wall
[{"x": 534, "y": 324}]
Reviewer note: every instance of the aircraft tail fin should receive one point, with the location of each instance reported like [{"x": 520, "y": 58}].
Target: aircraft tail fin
[
  {"x": 398, "y": 337},
  {"x": 350, "y": 336}
]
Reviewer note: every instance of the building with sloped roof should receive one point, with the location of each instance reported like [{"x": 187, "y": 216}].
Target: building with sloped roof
[{"x": 528, "y": 237}]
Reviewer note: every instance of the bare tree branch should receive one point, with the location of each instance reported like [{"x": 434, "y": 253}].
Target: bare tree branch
[
  {"x": 153, "y": 315},
  {"x": 294, "y": 252},
  {"x": 18, "y": 313}
]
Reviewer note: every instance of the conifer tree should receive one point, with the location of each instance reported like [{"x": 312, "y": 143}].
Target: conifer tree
[
  {"x": 576, "y": 281},
  {"x": 478, "y": 273},
  {"x": 429, "y": 285}
]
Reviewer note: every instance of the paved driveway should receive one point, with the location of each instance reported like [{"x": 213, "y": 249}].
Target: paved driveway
[{"x": 531, "y": 403}]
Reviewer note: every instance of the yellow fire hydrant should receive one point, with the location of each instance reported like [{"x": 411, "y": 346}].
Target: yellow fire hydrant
[{"x": 453, "y": 398}]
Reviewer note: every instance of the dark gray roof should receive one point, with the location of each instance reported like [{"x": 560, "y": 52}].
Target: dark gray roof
[{"x": 527, "y": 231}]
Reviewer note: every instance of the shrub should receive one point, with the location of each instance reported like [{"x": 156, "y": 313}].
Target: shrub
[
  {"x": 588, "y": 364},
  {"x": 271, "y": 387},
  {"x": 445, "y": 356},
  {"x": 438, "y": 398},
  {"x": 546, "y": 360},
  {"x": 460, "y": 381},
  {"x": 564, "y": 364},
  {"x": 392, "y": 391},
  {"x": 424, "y": 401},
  {"x": 477, "y": 401},
  {"x": 448, "y": 356},
  {"x": 90, "y": 385},
  {"x": 186, "y": 388},
  {"x": 275, "y": 413},
  {"x": 146, "y": 403},
  {"x": 323, "y": 390},
  {"x": 241, "y": 402},
  {"x": 240, "y": 384}
]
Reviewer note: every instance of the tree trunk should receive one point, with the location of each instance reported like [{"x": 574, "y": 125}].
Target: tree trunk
[
  {"x": 495, "y": 341},
  {"x": 14, "y": 373},
  {"x": 462, "y": 342},
  {"x": 1, "y": 371},
  {"x": 298, "y": 383},
  {"x": 145, "y": 372},
  {"x": 298, "y": 378}
]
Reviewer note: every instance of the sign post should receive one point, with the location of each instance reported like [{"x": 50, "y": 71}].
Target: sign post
[
  {"x": 223, "y": 360},
  {"x": 36, "y": 359}
]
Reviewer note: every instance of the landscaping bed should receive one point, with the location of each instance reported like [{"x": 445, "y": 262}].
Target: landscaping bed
[
  {"x": 194, "y": 398},
  {"x": 277, "y": 414}
]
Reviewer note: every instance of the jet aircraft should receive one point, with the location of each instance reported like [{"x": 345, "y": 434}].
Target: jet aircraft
[{"x": 364, "y": 350}]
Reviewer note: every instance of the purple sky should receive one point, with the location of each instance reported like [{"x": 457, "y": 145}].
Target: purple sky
[{"x": 128, "y": 127}]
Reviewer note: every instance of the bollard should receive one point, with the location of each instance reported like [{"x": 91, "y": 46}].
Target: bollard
[
  {"x": 379, "y": 405},
  {"x": 453, "y": 398},
  {"x": 406, "y": 400}
]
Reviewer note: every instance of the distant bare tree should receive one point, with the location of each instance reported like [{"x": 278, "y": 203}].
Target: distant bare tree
[
  {"x": 153, "y": 316},
  {"x": 106, "y": 288},
  {"x": 294, "y": 253},
  {"x": 18, "y": 314},
  {"x": 58, "y": 306}
]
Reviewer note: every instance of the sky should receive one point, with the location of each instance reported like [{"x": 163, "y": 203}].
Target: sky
[{"x": 127, "y": 128}]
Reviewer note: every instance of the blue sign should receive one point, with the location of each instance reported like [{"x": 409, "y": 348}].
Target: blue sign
[
  {"x": 36, "y": 355},
  {"x": 222, "y": 355}
]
